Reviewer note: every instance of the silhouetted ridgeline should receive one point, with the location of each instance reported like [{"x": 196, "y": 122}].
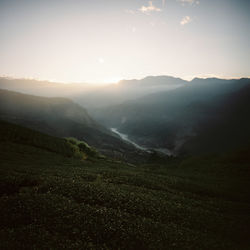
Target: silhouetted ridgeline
[
  {"x": 156, "y": 112},
  {"x": 63, "y": 118},
  {"x": 216, "y": 110},
  {"x": 92, "y": 96}
]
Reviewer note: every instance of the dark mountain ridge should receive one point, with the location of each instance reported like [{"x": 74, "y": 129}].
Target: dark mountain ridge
[
  {"x": 168, "y": 119},
  {"x": 151, "y": 115},
  {"x": 92, "y": 96},
  {"x": 42, "y": 88},
  {"x": 63, "y": 118},
  {"x": 228, "y": 129},
  {"x": 154, "y": 81}
]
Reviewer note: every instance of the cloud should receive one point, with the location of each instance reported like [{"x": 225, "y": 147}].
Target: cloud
[
  {"x": 190, "y": 2},
  {"x": 149, "y": 8},
  {"x": 185, "y": 20}
]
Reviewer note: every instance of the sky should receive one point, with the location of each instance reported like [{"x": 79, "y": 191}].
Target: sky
[{"x": 102, "y": 41}]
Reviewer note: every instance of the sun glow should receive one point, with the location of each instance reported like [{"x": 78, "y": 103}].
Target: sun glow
[
  {"x": 107, "y": 80},
  {"x": 101, "y": 60},
  {"x": 96, "y": 41}
]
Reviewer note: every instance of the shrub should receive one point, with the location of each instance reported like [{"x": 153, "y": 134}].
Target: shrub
[{"x": 83, "y": 147}]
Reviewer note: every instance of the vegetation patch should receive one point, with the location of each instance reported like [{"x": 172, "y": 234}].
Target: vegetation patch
[{"x": 51, "y": 201}]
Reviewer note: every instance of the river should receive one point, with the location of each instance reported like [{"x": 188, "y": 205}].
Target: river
[
  {"x": 164, "y": 151},
  {"x": 125, "y": 138}
]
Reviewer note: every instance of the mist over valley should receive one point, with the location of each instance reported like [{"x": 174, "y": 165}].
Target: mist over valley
[{"x": 125, "y": 124}]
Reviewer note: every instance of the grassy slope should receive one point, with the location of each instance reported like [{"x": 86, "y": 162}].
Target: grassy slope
[{"x": 52, "y": 201}]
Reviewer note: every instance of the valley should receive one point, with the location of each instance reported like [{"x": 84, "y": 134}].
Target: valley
[
  {"x": 124, "y": 125},
  {"x": 160, "y": 150},
  {"x": 169, "y": 169}
]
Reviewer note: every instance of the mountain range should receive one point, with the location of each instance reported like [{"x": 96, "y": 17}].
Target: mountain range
[
  {"x": 157, "y": 112},
  {"x": 169, "y": 119},
  {"x": 92, "y": 96},
  {"x": 62, "y": 117}
]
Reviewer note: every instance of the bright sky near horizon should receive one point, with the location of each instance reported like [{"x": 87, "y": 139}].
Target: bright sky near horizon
[{"x": 109, "y": 40}]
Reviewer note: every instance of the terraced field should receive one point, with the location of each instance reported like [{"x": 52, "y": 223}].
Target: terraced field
[{"x": 51, "y": 200}]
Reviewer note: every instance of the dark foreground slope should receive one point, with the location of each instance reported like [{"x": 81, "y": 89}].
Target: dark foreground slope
[
  {"x": 52, "y": 201},
  {"x": 63, "y": 118}
]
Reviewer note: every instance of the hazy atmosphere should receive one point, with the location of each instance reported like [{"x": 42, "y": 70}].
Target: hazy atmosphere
[
  {"x": 108, "y": 40},
  {"x": 125, "y": 124}
]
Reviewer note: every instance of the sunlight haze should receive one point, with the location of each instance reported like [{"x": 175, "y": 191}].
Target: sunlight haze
[{"x": 105, "y": 41}]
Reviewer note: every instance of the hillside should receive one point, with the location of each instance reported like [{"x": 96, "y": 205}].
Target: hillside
[
  {"x": 51, "y": 201},
  {"x": 228, "y": 130},
  {"x": 63, "y": 118},
  {"x": 127, "y": 90},
  {"x": 169, "y": 119},
  {"x": 43, "y": 88},
  {"x": 68, "y": 147},
  {"x": 91, "y": 95}
]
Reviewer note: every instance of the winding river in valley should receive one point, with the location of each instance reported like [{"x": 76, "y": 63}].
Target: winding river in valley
[{"x": 124, "y": 137}]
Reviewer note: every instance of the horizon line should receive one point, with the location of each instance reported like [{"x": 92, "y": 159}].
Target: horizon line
[{"x": 187, "y": 78}]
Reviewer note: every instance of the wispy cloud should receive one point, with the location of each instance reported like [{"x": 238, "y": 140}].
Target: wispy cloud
[
  {"x": 185, "y": 20},
  {"x": 149, "y": 8},
  {"x": 190, "y": 2}
]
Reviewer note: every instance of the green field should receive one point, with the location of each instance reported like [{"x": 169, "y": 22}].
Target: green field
[{"x": 51, "y": 199}]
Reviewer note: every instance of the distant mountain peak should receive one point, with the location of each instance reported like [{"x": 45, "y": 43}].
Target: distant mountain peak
[{"x": 154, "y": 81}]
